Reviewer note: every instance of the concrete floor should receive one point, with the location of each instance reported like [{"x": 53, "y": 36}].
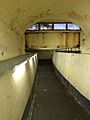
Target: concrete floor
[{"x": 53, "y": 102}]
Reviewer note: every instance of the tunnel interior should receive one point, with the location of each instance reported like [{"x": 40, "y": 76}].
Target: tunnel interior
[{"x": 29, "y": 33}]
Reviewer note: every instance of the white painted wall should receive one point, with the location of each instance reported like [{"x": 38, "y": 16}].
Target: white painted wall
[
  {"x": 15, "y": 89},
  {"x": 76, "y": 69}
]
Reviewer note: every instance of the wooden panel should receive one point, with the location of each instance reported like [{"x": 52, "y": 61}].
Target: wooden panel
[
  {"x": 70, "y": 40},
  {"x": 77, "y": 39},
  {"x": 53, "y": 40}
]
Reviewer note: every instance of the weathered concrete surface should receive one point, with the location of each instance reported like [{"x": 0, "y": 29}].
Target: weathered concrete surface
[{"x": 53, "y": 102}]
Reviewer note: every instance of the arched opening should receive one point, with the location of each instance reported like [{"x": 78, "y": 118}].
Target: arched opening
[{"x": 46, "y": 37}]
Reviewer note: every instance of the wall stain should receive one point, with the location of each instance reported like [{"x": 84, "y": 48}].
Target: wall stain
[
  {"x": 2, "y": 53},
  {"x": 41, "y": 15},
  {"x": 3, "y": 49},
  {"x": 13, "y": 21},
  {"x": 75, "y": 15}
]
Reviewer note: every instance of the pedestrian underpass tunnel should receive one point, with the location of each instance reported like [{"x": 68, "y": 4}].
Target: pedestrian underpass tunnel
[{"x": 21, "y": 47}]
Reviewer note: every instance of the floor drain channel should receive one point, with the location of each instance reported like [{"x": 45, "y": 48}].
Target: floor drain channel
[{"x": 31, "y": 108}]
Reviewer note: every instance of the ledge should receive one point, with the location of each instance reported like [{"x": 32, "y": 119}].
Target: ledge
[
  {"x": 51, "y": 31},
  {"x": 10, "y": 63}
]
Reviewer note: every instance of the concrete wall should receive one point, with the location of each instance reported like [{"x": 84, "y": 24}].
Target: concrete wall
[
  {"x": 15, "y": 89},
  {"x": 53, "y": 39},
  {"x": 11, "y": 43},
  {"x": 76, "y": 69}
]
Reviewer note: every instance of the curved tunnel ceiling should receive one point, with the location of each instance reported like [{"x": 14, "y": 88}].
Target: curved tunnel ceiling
[
  {"x": 17, "y": 15},
  {"x": 20, "y": 14}
]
